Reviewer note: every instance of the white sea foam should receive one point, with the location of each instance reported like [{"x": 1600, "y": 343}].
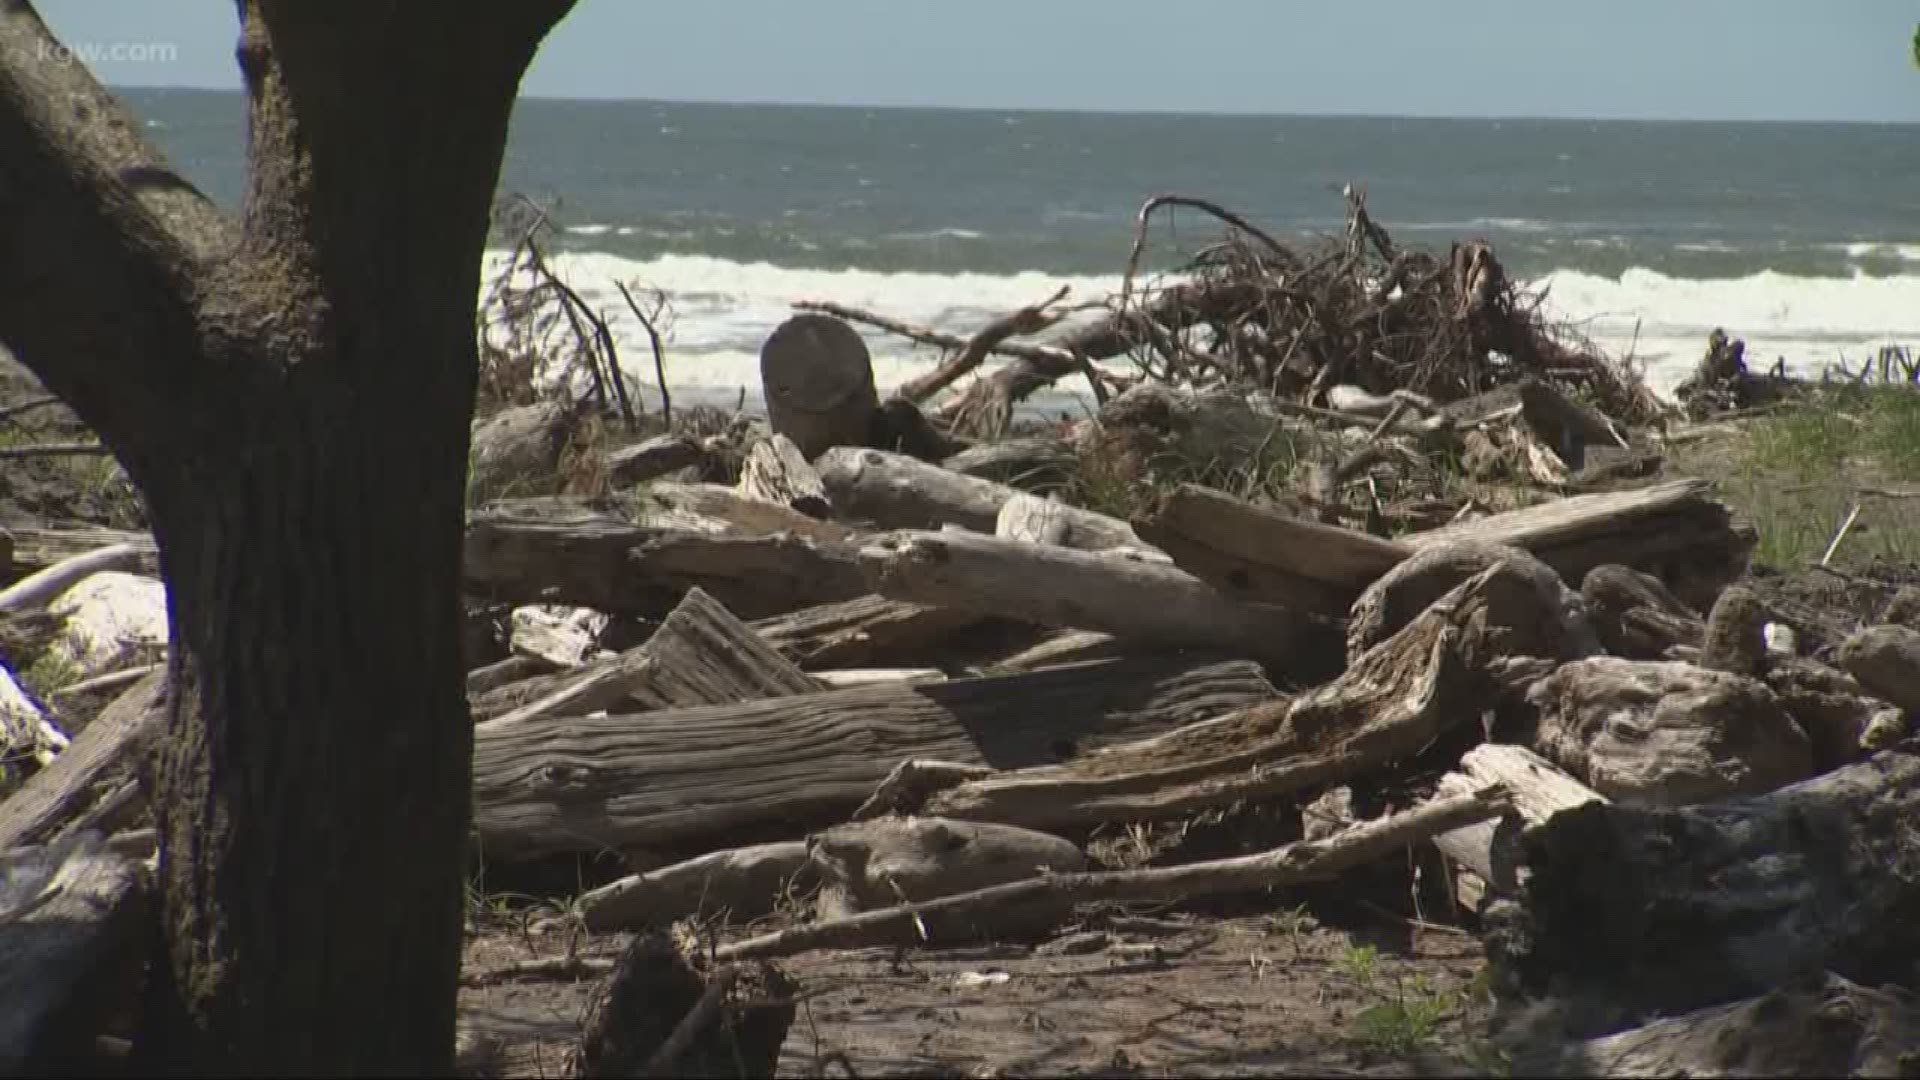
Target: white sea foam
[{"x": 723, "y": 311}]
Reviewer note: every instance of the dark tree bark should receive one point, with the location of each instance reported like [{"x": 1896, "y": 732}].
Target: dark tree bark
[{"x": 292, "y": 393}]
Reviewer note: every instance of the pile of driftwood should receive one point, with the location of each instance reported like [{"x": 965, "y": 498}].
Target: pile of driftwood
[
  {"x": 1254, "y": 314},
  {"x": 843, "y": 665}
]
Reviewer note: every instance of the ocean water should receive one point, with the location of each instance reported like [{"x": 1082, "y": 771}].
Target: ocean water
[{"x": 1804, "y": 239}]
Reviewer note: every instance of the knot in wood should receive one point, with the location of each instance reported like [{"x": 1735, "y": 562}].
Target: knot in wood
[{"x": 564, "y": 782}]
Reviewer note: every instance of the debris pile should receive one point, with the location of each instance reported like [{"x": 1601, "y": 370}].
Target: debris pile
[{"x": 1369, "y": 535}]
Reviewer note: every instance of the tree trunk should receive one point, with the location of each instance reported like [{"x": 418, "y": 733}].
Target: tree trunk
[{"x": 293, "y": 398}]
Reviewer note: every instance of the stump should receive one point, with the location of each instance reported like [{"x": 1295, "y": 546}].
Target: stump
[
  {"x": 818, "y": 381},
  {"x": 655, "y": 986}
]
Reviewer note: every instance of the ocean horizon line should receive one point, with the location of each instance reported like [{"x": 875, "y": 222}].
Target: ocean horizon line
[{"x": 1199, "y": 114}]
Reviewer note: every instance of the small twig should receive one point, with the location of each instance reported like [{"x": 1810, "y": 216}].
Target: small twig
[
  {"x": 659, "y": 356},
  {"x": 1845, "y": 526},
  {"x": 54, "y": 450},
  {"x": 693, "y": 1023}
]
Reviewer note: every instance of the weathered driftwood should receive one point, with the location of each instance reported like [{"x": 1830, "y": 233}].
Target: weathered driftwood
[
  {"x": 1026, "y": 464},
  {"x": 1673, "y": 530},
  {"x": 1491, "y": 848},
  {"x": 40, "y": 587},
  {"x": 653, "y": 458},
  {"x": 601, "y": 562},
  {"x": 1670, "y": 529},
  {"x": 501, "y": 672},
  {"x": 1263, "y": 554},
  {"x": 743, "y": 515},
  {"x": 667, "y": 777},
  {"x": 894, "y": 491},
  {"x": 1033, "y": 520},
  {"x": 55, "y": 796},
  {"x": 1389, "y": 705},
  {"x": 1823, "y": 1027},
  {"x": 818, "y": 381},
  {"x": 1659, "y": 733},
  {"x": 743, "y": 883},
  {"x": 1886, "y": 660},
  {"x": 1061, "y": 647},
  {"x": 864, "y": 631},
  {"x": 1061, "y": 587},
  {"x": 777, "y": 474},
  {"x": 1402, "y": 593},
  {"x": 1660, "y": 911},
  {"x": 1842, "y": 719},
  {"x": 865, "y": 865},
  {"x": 700, "y": 655},
  {"x": 516, "y": 445},
  {"x": 1636, "y": 615},
  {"x": 560, "y": 636},
  {"x": 841, "y": 678},
  {"x": 70, "y": 932},
  {"x": 35, "y": 549},
  {"x": 1301, "y": 861}
]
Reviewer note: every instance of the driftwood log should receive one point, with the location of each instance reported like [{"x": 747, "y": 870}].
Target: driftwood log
[
  {"x": 894, "y": 491},
  {"x": 1402, "y": 593},
  {"x": 1672, "y": 530},
  {"x": 1388, "y": 706},
  {"x": 96, "y": 765},
  {"x": 700, "y": 655},
  {"x": 1491, "y": 849},
  {"x": 1660, "y": 733},
  {"x": 1638, "y": 911},
  {"x": 741, "y": 883},
  {"x": 861, "y": 632},
  {"x": 818, "y": 382},
  {"x": 1032, "y": 464},
  {"x": 1060, "y": 587},
  {"x": 653, "y": 458},
  {"x": 742, "y": 515},
  {"x": 1821, "y": 1027},
  {"x": 1054, "y": 894},
  {"x": 867, "y": 865},
  {"x": 1263, "y": 554},
  {"x": 666, "y": 778},
  {"x": 601, "y": 562},
  {"x": 38, "y": 548}
]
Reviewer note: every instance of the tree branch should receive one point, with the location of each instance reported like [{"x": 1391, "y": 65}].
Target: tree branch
[{"x": 100, "y": 241}]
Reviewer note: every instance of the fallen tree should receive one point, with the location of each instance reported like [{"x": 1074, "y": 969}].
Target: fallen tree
[{"x": 667, "y": 778}]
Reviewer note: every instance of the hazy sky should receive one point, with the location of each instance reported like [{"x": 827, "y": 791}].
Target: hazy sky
[{"x": 1698, "y": 59}]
